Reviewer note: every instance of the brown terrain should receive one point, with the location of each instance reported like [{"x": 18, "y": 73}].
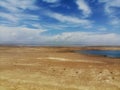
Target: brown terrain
[{"x": 57, "y": 68}]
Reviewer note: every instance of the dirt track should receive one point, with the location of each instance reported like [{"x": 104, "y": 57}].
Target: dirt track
[{"x": 57, "y": 68}]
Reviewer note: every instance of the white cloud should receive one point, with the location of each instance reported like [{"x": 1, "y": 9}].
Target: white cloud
[
  {"x": 110, "y": 4},
  {"x": 69, "y": 19},
  {"x": 87, "y": 38},
  {"x": 16, "y": 12},
  {"x": 19, "y": 35},
  {"x": 102, "y": 28},
  {"x": 23, "y": 35},
  {"x": 16, "y": 18},
  {"x": 82, "y": 5},
  {"x": 9, "y": 17},
  {"x": 110, "y": 10},
  {"x": 115, "y": 21},
  {"x": 51, "y": 1},
  {"x": 18, "y": 5}
]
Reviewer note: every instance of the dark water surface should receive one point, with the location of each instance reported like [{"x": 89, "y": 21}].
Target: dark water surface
[{"x": 107, "y": 53}]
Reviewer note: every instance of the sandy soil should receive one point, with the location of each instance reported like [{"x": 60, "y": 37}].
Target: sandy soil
[{"x": 57, "y": 68}]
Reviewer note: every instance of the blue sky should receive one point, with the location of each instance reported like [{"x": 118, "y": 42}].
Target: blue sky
[{"x": 60, "y": 22}]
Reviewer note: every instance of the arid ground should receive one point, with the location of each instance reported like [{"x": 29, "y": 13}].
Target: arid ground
[{"x": 57, "y": 68}]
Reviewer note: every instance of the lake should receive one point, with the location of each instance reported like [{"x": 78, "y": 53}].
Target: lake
[{"x": 107, "y": 53}]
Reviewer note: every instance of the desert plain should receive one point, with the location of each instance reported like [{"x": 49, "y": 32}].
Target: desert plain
[{"x": 57, "y": 68}]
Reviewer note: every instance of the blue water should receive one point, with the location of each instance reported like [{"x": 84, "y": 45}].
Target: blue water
[{"x": 107, "y": 53}]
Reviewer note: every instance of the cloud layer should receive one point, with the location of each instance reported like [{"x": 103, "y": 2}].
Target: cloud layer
[
  {"x": 74, "y": 22},
  {"x": 27, "y": 36},
  {"x": 82, "y": 5}
]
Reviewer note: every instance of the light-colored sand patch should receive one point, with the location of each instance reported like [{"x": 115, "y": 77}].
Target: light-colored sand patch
[
  {"x": 26, "y": 64},
  {"x": 40, "y": 58},
  {"x": 57, "y": 58},
  {"x": 64, "y": 59}
]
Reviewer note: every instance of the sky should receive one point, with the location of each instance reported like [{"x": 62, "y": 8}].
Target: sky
[{"x": 60, "y": 22}]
